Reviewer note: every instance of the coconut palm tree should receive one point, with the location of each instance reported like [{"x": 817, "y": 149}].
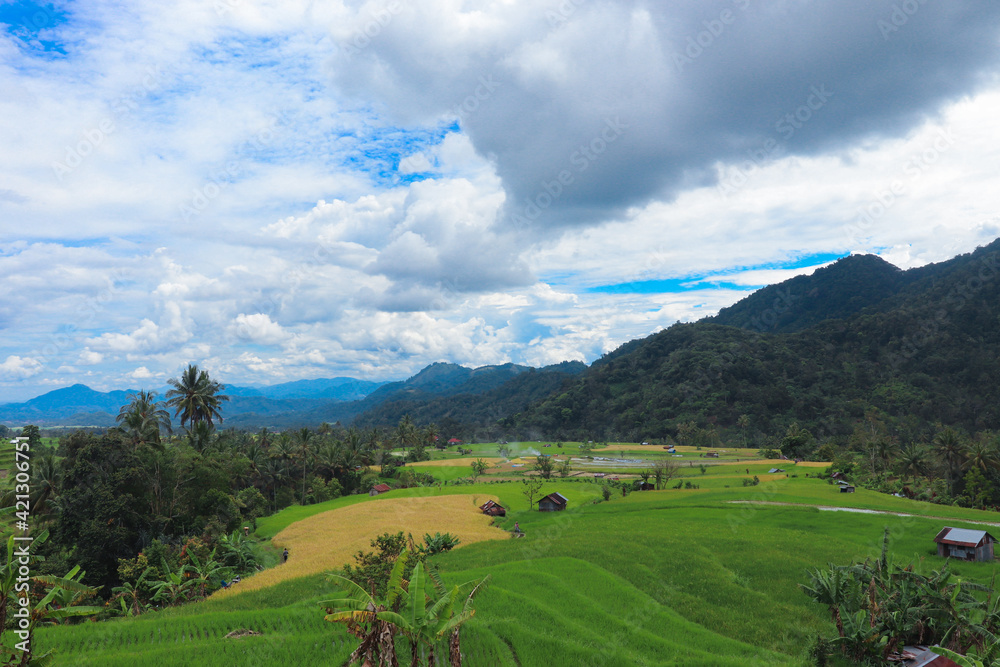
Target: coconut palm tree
[
  {"x": 982, "y": 454},
  {"x": 912, "y": 461},
  {"x": 951, "y": 449},
  {"x": 144, "y": 419},
  {"x": 304, "y": 453},
  {"x": 195, "y": 397}
]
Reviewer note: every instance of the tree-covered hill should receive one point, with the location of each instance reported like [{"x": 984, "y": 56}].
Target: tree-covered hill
[
  {"x": 480, "y": 408},
  {"x": 927, "y": 352}
]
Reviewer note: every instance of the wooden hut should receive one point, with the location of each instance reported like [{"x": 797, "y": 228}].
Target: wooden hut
[
  {"x": 554, "y": 502},
  {"x": 493, "y": 508},
  {"x": 965, "y": 544}
]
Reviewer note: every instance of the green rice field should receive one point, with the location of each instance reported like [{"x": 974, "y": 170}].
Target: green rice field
[{"x": 674, "y": 577}]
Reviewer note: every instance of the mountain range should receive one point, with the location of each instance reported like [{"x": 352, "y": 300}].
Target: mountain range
[{"x": 858, "y": 339}]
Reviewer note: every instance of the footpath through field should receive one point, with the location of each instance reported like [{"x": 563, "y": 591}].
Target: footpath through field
[{"x": 859, "y": 510}]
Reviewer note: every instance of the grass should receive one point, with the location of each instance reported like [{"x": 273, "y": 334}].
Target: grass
[{"x": 676, "y": 577}]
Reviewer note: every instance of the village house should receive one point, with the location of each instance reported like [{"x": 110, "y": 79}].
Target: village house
[
  {"x": 965, "y": 544},
  {"x": 554, "y": 502},
  {"x": 492, "y": 508}
]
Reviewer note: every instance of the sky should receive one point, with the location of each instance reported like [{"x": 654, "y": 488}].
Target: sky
[{"x": 287, "y": 190}]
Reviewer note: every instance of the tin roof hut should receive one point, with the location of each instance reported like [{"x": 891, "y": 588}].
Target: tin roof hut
[
  {"x": 554, "y": 502},
  {"x": 965, "y": 544}
]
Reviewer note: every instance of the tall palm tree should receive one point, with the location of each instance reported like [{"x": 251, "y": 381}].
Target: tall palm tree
[
  {"x": 951, "y": 449},
  {"x": 912, "y": 461},
  {"x": 144, "y": 419},
  {"x": 305, "y": 438},
  {"x": 982, "y": 454},
  {"x": 195, "y": 396}
]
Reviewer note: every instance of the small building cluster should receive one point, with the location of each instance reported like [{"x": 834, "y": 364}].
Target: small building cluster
[
  {"x": 965, "y": 544},
  {"x": 845, "y": 486},
  {"x": 493, "y": 508}
]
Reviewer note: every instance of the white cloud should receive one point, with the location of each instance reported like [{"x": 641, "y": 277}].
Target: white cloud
[
  {"x": 258, "y": 328},
  {"x": 19, "y": 368},
  {"x": 270, "y": 206}
]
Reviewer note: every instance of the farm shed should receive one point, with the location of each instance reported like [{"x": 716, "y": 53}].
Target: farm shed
[
  {"x": 712, "y": 455},
  {"x": 554, "y": 502},
  {"x": 920, "y": 656},
  {"x": 646, "y": 486},
  {"x": 454, "y": 441},
  {"x": 774, "y": 470},
  {"x": 847, "y": 489},
  {"x": 379, "y": 488},
  {"x": 965, "y": 544},
  {"x": 493, "y": 508}
]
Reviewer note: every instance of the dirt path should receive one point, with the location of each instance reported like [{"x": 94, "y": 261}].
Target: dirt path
[{"x": 859, "y": 510}]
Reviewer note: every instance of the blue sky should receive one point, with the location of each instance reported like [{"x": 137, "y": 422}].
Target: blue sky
[{"x": 280, "y": 191}]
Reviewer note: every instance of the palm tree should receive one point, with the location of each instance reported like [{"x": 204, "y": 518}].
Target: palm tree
[
  {"x": 912, "y": 461},
  {"x": 144, "y": 418},
  {"x": 305, "y": 436},
  {"x": 195, "y": 396},
  {"x": 744, "y": 423},
  {"x": 982, "y": 454},
  {"x": 951, "y": 449},
  {"x": 200, "y": 435}
]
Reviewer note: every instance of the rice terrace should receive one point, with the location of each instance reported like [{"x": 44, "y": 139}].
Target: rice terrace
[{"x": 706, "y": 568}]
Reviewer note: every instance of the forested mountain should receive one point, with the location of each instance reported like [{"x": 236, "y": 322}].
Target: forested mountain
[
  {"x": 833, "y": 292},
  {"x": 928, "y": 351},
  {"x": 500, "y": 403}
]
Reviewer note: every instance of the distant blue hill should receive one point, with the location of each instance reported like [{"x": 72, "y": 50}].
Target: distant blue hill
[{"x": 79, "y": 405}]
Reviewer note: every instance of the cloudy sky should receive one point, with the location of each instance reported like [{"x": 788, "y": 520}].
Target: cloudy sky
[{"x": 286, "y": 190}]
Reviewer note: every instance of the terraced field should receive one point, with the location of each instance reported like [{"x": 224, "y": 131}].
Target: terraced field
[{"x": 676, "y": 577}]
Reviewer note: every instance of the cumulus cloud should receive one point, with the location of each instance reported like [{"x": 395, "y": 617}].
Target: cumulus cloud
[
  {"x": 286, "y": 191},
  {"x": 19, "y": 368},
  {"x": 258, "y": 328}
]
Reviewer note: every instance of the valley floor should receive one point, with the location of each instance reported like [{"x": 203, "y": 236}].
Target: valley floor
[{"x": 674, "y": 577}]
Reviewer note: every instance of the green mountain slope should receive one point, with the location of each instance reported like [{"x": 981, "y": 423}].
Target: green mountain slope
[{"x": 927, "y": 352}]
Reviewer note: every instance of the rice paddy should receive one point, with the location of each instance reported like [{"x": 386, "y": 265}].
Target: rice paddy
[
  {"x": 698, "y": 576},
  {"x": 329, "y": 540}
]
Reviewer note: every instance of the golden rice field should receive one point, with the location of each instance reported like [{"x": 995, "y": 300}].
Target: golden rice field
[{"x": 329, "y": 540}]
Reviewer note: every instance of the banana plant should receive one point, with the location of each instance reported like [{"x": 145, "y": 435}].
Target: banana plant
[
  {"x": 175, "y": 587},
  {"x": 128, "y": 595},
  {"x": 364, "y": 617}
]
